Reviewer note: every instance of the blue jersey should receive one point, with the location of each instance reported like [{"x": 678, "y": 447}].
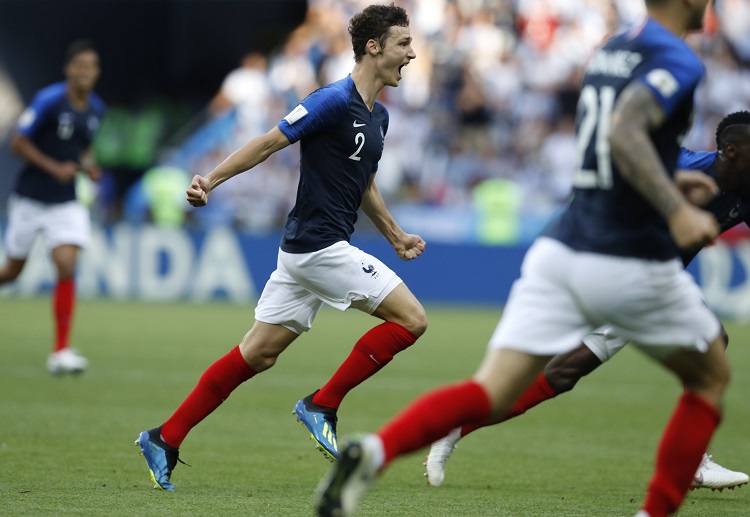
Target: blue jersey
[
  {"x": 61, "y": 131},
  {"x": 341, "y": 142},
  {"x": 730, "y": 209},
  {"x": 606, "y": 215}
]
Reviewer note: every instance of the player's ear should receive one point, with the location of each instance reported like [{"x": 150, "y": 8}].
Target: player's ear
[
  {"x": 729, "y": 151},
  {"x": 373, "y": 47}
]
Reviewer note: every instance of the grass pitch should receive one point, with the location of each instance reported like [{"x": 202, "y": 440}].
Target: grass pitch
[{"x": 66, "y": 444}]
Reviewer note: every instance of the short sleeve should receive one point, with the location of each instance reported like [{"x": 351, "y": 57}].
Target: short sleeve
[
  {"x": 672, "y": 76},
  {"x": 317, "y": 112}
]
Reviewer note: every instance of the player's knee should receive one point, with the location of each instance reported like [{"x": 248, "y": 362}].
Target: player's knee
[
  {"x": 259, "y": 357},
  {"x": 416, "y": 322},
  {"x": 261, "y": 362}
]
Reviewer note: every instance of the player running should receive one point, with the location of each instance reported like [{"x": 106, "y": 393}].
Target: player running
[
  {"x": 611, "y": 258},
  {"x": 341, "y": 129},
  {"x": 730, "y": 167},
  {"x": 54, "y": 136}
]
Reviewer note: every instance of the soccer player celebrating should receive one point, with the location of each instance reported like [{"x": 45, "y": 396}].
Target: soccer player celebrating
[
  {"x": 611, "y": 258},
  {"x": 341, "y": 128},
  {"x": 730, "y": 167},
  {"x": 54, "y": 136}
]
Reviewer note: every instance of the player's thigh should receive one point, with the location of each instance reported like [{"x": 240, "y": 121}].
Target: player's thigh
[
  {"x": 285, "y": 302},
  {"x": 542, "y": 315},
  {"x": 342, "y": 276},
  {"x": 705, "y": 373},
  {"x": 67, "y": 223},
  {"x": 25, "y": 220}
]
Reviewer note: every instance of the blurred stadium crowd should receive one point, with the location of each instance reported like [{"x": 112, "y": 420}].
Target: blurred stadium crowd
[{"x": 482, "y": 124}]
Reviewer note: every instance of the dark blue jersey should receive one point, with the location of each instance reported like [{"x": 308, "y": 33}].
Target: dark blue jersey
[
  {"x": 606, "y": 215},
  {"x": 61, "y": 131},
  {"x": 730, "y": 209},
  {"x": 341, "y": 142}
]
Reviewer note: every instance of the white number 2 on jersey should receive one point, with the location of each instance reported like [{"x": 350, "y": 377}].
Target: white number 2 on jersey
[
  {"x": 597, "y": 109},
  {"x": 358, "y": 139}
]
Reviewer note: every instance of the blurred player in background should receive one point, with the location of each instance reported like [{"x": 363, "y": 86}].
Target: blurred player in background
[
  {"x": 611, "y": 258},
  {"x": 341, "y": 129},
  {"x": 730, "y": 167},
  {"x": 53, "y": 137}
]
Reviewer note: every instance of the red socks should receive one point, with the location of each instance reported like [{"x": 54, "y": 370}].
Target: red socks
[
  {"x": 371, "y": 353},
  {"x": 213, "y": 388},
  {"x": 63, "y": 304},
  {"x": 433, "y": 416},
  {"x": 534, "y": 395},
  {"x": 683, "y": 443}
]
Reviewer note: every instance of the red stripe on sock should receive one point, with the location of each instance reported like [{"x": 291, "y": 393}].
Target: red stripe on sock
[
  {"x": 433, "y": 416},
  {"x": 63, "y": 305},
  {"x": 370, "y": 354},
  {"x": 213, "y": 388},
  {"x": 683, "y": 443}
]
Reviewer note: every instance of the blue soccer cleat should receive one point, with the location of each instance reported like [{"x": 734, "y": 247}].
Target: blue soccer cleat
[
  {"x": 160, "y": 457},
  {"x": 321, "y": 422}
]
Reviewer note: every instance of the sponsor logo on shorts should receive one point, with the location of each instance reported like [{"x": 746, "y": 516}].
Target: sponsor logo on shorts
[{"x": 370, "y": 270}]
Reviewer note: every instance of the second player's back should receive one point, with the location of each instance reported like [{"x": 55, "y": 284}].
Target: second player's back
[{"x": 607, "y": 215}]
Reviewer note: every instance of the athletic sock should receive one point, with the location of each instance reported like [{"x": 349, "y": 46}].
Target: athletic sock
[
  {"x": 432, "y": 416},
  {"x": 681, "y": 449},
  {"x": 63, "y": 305},
  {"x": 537, "y": 393},
  {"x": 213, "y": 388},
  {"x": 371, "y": 353}
]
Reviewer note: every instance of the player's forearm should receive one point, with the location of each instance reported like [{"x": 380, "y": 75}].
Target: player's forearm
[
  {"x": 375, "y": 209},
  {"x": 25, "y": 149}
]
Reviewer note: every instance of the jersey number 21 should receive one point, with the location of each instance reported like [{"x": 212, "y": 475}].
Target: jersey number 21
[{"x": 595, "y": 108}]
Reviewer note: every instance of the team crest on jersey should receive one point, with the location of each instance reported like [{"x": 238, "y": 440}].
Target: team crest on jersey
[
  {"x": 663, "y": 81},
  {"x": 296, "y": 114}
]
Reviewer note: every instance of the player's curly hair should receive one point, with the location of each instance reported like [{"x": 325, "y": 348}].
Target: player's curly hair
[
  {"x": 726, "y": 129},
  {"x": 373, "y": 23},
  {"x": 78, "y": 47}
]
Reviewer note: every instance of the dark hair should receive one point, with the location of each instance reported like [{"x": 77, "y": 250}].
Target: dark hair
[
  {"x": 373, "y": 23},
  {"x": 726, "y": 129},
  {"x": 78, "y": 47}
]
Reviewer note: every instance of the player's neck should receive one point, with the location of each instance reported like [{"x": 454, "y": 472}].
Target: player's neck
[
  {"x": 670, "y": 20},
  {"x": 77, "y": 98},
  {"x": 367, "y": 84}
]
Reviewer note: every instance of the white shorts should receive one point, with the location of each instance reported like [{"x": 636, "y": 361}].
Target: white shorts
[
  {"x": 604, "y": 344},
  {"x": 340, "y": 275},
  {"x": 564, "y": 295},
  {"x": 61, "y": 223}
]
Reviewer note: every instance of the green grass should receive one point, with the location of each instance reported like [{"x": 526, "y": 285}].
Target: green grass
[{"x": 66, "y": 444}]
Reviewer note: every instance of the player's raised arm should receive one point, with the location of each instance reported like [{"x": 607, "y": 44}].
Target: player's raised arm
[
  {"x": 243, "y": 159},
  {"x": 637, "y": 113},
  {"x": 407, "y": 246}
]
